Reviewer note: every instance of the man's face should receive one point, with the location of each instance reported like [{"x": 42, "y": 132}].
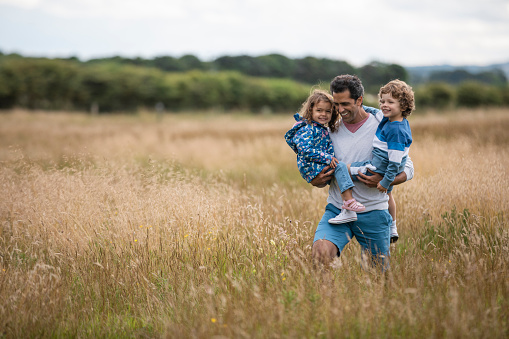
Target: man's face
[{"x": 348, "y": 108}]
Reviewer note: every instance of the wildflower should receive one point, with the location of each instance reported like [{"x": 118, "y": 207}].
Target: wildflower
[
  {"x": 135, "y": 240},
  {"x": 213, "y": 320},
  {"x": 141, "y": 226},
  {"x": 185, "y": 236}
]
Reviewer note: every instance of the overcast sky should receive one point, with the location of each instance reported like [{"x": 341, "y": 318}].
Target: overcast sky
[{"x": 410, "y": 33}]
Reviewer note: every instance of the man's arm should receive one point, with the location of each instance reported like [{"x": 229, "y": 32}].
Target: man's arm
[
  {"x": 323, "y": 177},
  {"x": 373, "y": 180}
]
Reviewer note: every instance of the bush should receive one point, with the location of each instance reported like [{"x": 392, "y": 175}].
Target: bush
[
  {"x": 39, "y": 83},
  {"x": 436, "y": 95},
  {"x": 471, "y": 94}
]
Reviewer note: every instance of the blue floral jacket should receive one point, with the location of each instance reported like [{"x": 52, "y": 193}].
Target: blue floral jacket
[{"x": 312, "y": 145}]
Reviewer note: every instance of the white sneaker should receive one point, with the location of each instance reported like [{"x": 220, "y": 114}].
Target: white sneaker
[
  {"x": 343, "y": 217},
  {"x": 394, "y": 234},
  {"x": 361, "y": 169}
]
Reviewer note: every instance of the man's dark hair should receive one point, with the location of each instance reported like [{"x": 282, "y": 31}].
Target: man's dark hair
[{"x": 349, "y": 82}]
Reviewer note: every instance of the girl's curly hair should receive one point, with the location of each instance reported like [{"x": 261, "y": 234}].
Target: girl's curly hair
[{"x": 306, "y": 111}]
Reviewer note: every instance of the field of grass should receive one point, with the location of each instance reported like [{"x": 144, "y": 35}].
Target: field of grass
[{"x": 200, "y": 226}]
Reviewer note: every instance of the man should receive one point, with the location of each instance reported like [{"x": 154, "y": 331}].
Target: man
[{"x": 353, "y": 141}]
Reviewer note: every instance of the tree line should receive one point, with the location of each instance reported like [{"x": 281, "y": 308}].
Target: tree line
[
  {"x": 268, "y": 83},
  {"x": 108, "y": 87},
  {"x": 308, "y": 70}
]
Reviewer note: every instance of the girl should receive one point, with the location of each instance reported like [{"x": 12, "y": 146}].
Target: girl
[{"x": 309, "y": 139}]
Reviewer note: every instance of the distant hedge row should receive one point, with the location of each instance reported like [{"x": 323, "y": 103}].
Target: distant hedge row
[
  {"x": 63, "y": 84},
  {"x": 105, "y": 87},
  {"x": 465, "y": 94}
]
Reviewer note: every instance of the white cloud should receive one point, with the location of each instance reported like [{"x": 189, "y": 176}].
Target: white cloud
[
  {"x": 400, "y": 31},
  {"x": 113, "y": 9},
  {"x": 25, "y": 4}
]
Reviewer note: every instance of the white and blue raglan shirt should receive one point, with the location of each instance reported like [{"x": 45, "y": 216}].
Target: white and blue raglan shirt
[{"x": 390, "y": 148}]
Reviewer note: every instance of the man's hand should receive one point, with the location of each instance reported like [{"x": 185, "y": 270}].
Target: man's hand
[
  {"x": 323, "y": 178},
  {"x": 370, "y": 180}
]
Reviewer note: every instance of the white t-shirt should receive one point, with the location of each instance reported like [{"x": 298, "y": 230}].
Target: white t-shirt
[{"x": 351, "y": 147}]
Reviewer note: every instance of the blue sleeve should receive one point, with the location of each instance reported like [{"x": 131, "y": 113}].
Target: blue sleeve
[
  {"x": 305, "y": 143},
  {"x": 375, "y": 112},
  {"x": 390, "y": 174},
  {"x": 397, "y": 144}
]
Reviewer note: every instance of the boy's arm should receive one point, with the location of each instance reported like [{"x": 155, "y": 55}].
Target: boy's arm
[
  {"x": 374, "y": 111},
  {"x": 397, "y": 144},
  {"x": 374, "y": 178},
  {"x": 390, "y": 173}
]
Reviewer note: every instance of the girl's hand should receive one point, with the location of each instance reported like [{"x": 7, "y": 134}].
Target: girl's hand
[
  {"x": 381, "y": 188},
  {"x": 333, "y": 162}
]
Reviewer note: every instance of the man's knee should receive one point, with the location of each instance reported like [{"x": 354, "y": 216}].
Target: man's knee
[{"x": 324, "y": 251}]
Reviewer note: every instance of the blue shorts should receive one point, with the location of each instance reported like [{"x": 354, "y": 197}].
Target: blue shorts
[{"x": 372, "y": 231}]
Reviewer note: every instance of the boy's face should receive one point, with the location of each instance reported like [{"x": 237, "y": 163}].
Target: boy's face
[
  {"x": 391, "y": 107},
  {"x": 348, "y": 108}
]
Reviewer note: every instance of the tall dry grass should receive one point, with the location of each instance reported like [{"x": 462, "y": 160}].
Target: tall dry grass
[{"x": 200, "y": 226}]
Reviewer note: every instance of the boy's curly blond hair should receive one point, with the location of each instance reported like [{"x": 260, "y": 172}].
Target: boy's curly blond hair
[{"x": 402, "y": 92}]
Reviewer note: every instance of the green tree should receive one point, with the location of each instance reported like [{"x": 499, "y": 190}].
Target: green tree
[
  {"x": 277, "y": 66},
  {"x": 167, "y": 63},
  {"x": 39, "y": 83},
  {"x": 190, "y": 62},
  {"x": 376, "y": 74},
  {"x": 435, "y": 94},
  {"x": 471, "y": 94},
  {"x": 313, "y": 70}
]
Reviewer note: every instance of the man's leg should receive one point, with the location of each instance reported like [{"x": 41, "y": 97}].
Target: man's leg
[
  {"x": 330, "y": 239},
  {"x": 324, "y": 252},
  {"x": 372, "y": 233}
]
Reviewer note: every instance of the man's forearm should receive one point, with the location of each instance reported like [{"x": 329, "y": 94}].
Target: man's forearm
[{"x": 400, "y": 178}]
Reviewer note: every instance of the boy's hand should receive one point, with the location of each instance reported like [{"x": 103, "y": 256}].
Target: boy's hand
[{"x": 381, "y": 188}]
